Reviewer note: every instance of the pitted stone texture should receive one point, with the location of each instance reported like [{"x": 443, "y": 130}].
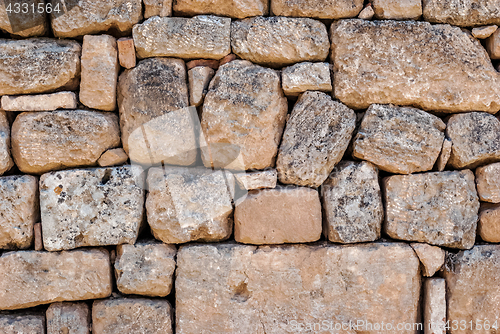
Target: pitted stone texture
[
  {"x": 352, "y": 203},
  {"x": 439, "y": 208},
  {"x": 42, "y": 102},
  {"x": 38, "y": 65},
  {"x": 472, "y": 283},
  {"x": 231, "y": 8},
  {"x": 126, "y": 52},
  {"x": 87, "y": 17},
  {"x": 160, "y": 8},
  {"x": 476, "y": 139},
  {"x": 68, "y": 318},
  {"x": 116, "y": 156},
  {"x": 257, "y": 180},
  {"x": 445, "y": 154},
  {"x": 315, "y": 139},
  {"x": 6, "y": 162},
  {"x": 145, "y": 268},
  {"x": 397, "y": 9},
  {"x": 199, "y": 79},
  {"x": 399, "y": 139},
  {"x": 197, "y": 37},
  {"x": 431, "y": 257},
  {"x": 321, "y": 9},
  {"x": 239, "y": 289},
  {"x": 279, "y": 41},
  {"x": 484, "y": 32},
  {"x": 489, "y": 222},
  {"x": 99, "y": 72},
  {"x": 22, "y": 324},
  {"x": 91, "y": 207},
  {"x": 300, "y": 77},
  {"x": 188, "y": 204},
  {"x": 30, "y": 24},
  {"x": 243, "y": 116},
  {"x": 434, "y": 306},
  {"x": 37, "y": 278},
  {"x": 432, "y": 67},
  {"x": 463, "y": 13},
  {"x": 19, "y": 211},
  {"x": 45, "y": 141},
  {"x": 488, "y": 183}
]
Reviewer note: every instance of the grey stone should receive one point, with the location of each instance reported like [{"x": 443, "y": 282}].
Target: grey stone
[
  {"x": 22, "y": 324},
  {"x": 68, "y": 318},
  {"x": 301, "y": 77},
  {"x": 463, "y": 13}
]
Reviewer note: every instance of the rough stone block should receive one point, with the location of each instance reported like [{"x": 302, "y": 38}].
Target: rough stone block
[
  {"x": 68, "y": 318},
  {"x": 231, "y": 8},
  {"x": 257, "y": 180},
  {"x": 301, "y": 77},
  {"x": 126, "y": 52},
  {"x": 6, "y": 162},
  {"x": 493, "y": 45},
  {"x": 431, "y": 257},
  {"x": 397, "y": 9},
  {"x": 199, "y": 79},
  {"x": 160, "y": 8},
  {"x": 28, "y": 24},
  {"x": 321, "y": 9},
  {"x": 488, "y": 183},
  {"x": 42, "y": 102},
  {"x": 484, "y": 32},
  {"x": 434, "y": 306},
  {"x": 113, "y": 157},
  {"x": 22, "y": 324},
  {"x": 462, "y": 13},
  {"x": 489, "y": 222}
]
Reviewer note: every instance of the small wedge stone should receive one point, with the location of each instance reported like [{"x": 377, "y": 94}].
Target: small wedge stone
[
  {"x": 445, "y": 154},
  {"x": 257, "y": 180},
  {"x": 6, "y": 162},
  {"x": 126, "y": 52},
  {"x": 42, "y": 102},
  {"x": 301, "y": 77},
  {"x": 231, "y": 8},
  {"x": 114, "y": 157},
  {"x": 21, "y": 324},
  {"x": 397, "y": 9},
  {"x": 488, "y": 183},
  {"x": 199, "y": 79},
  {"x": 321, "y": 9},
  {"x": 484, "y": 32},
  {"x": 160, "y": 8},
  {"x": 431, "y": 257},
  {"x": 367, "y": 13},
  {"x": 434, "y": 306},
  {"x": 68, "y": 318},
  {"x": 489, "y": 222}
]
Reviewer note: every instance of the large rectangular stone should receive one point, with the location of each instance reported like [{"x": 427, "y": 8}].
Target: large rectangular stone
[
  {"x": 40, "y": 102},
  {"x": 321, "y": 9}
]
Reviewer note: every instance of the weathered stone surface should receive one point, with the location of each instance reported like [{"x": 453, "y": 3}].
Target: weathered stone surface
[
  {"x": 431, "y": 257},
  {"x": 432, "y": 67},
  {"x": 126, "y": 52},
  {"x": 445, "y": 154},
  {"x": 42, "y": 102},
  {"x": 232, "y": 8},
  {"x": 131, "y": 315},
  {"x": 463, "y": 13},
  {"x": 232, "y": 288},
  {"x": 434, "y": 306},
  {"x": 484, "y": 32},
  {"x": 257, "y": 180},
  {"x": 197, "y": 37},
  {"x": 199, "y": 79},
  {"x": 6, "y": 162},
  {"x": 99, "y": 72},
  {"x": 476, "y": 139},
  {"x": 493, "y": 45},
  {"x": 397, "y": 9},
  {"x": 188, "y": 204},
  {"x": 489, "y": 222},
  {"x": 315, "y": 139},
  {"x": 160, "y": 8},
  {"x": 38, "y": 65},
  {"x": 279, "y": 41},
  {"x": 91, "y": 207},
  {"x": 321, "y": 9},
  {"x": 86, "y": 17},
  {"x": 305, "y": 76},
  {"x": 145, "y": 268},
  {"x": 37, "y": 278},
  {"x": 488, "y": 183},
  {"x": 21, "y": 324},
  {"x": 32, "y": 23},
  {"x": 367, "y": 13},
  {"x": 352, "y": 203},
  {"x": 68, "y": 318},
  {"x": 439, "y": 208},
  {"x": 399, "y": 139},
  {"x": 243, "y": 115},
  {"x": 472, "y": 283},
  {"x": 45, "y": 141},
  {"x": 19, "y": 211},
  {"x": 116, "y": 156}
]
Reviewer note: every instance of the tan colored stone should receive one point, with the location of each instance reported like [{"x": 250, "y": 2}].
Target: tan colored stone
[
  {"x": 463, "y": 13},
  {"x": 279, "y": 41},
  {"x": 160, "y": 8},
  {"x": 444, "y": 156},
  {"x": 68, "y": 318},
  {"x": 87, "y": 17},
  {"x": 439, "y": 208},
  {"x": 352, "y": 203},
  {"x": 243, "y": 289},
  {"x": 397, "y": 9},
  {"x": 431, "y": 257},
  {"x": 493, "y": 45},
  {"x": 257, "y": 180},
  {"x": 316, "y": 136},
  {"x": 488, "y": 183},
  {"x": 37, "y": 235},
  {"x": 367, "y": 13},
  {"x": 321, "y": 9},
  {"x": 432, "y": 67},
  {"x": 99, "y": 72},
  {"x": 6, "y": 162},
  {"x": 38, "y": 65},
  {"x": 22, "y": 324},
  {"x": 231, "y": 8},
  {"x": 199, "y": 79},
  {"x": 19, "y": 211},
  {"x": 29, "y": 24},
  {"x": 131, "y": 315},
  {"x": 484, "y": 32},
  {"x": 212, "y": 63},
  {"x": 37, "y": 278},
  {"x": 197, "y": 37},
  {"x": 434, "y": 306},
  {"x": 146, "y": 268},
  {"x": 472, "y": 287},
  {"x": 45, "y": 141},
  {"x": 489, "y": 222},
  {"x": 91, "y": 207},
  {"x": 243, "y": 117},
  {"x": 126, "y": 52},
  {"x": 476, "y": 139},
  {"x": 188, "y": 204},
  {"x": 114, "y": 157},
  {"x": 42, "y": 102},
  {"x": 399, "y": 139},
  {"x": 301, "y": 77}
]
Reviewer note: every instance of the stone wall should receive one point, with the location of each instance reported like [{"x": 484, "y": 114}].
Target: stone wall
[{"x": 249, "y": 166}]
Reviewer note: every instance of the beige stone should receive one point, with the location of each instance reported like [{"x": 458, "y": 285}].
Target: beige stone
[
  {"x": 68, "y": 318},
  {"x": 160, "y": 8},
  {"x": 188, "y": 204},
  {"x": 444, "y": 156},
  {"x": 231, "y": 8},
  {"x": 439, "y": 208},
  {"x": 352, "y": 203},
  {"x": 279, "y": 41},
  {"x": 243, "y": 117},
  {"x": 463, "y": 13},
  {"x": 476, "y": 139},
  {"x": 472, "y": 287},
  {"x": 37, "y": 235},
  {"x": 367, "y": 13},
  {"x": 199, "y": 79},
  {"x": 257, "y": 180},
  {"x": 131, "y": 315},
  {"x": 22, "y": 323},
  {"x": 397, "y": 9},
  {"x": 30, "y": 24},
  {"x": 6, "y": 162},
  {"x": 91, "y": 207},
  {"x": 42, "y": 102},
  {"x": 38, "y": 65},
  {"x": 484, "y": 32},
  {"x": 45, "y": 141},
  {"x": 305, "y": 76},
  {"x": 321, "y": 9},
  {"x": 493, "y": 45},
  {"x": 434, "y": 306},
  {"x": 113, "y": 157},
  {"x": 316, "y": 136},
  {"x": 431, "y": 257},
  {"x": 431, "y": 67},
  {"x": 489, "y": 222},
  {"x": 37, "y": 278},
  {"x": 99, "y": 72},
  {"x": 197, "y": 37},
  {"x": 126, "y": 52},
  {"x": 146, "y": 268},
  {"x": 488, "y": 183},
  {"x": 243, "y": 289},
  {"x": 87, "y": 17},
  {"x": 19, "y": 211}
]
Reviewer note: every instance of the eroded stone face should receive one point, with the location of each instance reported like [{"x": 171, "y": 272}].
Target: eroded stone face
[
  {"x": 488, "y": 183},
  {"x": 6, "y": 162},
  {"x": 397, "y": 9},
  {"x": 29, "y": 24},
  {"x": 321, "y": 9},
  {"x": 462, "y": 13},
  {"x": 29, "y": 323},
  {"x": 231, "y": 8},
  {"x": 160, "y": 8},
  {"x": 257, "y": 180},
  {"x": 68, "y": 318},
  {"x": 301, "y": 77},
  {"x": 42, "y": 102},
  {"x": 431, "y": 257},
  {"x": 489, "y": 222}
]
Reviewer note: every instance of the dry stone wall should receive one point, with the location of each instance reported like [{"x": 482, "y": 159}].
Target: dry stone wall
[{"x": 249, "y": 166}]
